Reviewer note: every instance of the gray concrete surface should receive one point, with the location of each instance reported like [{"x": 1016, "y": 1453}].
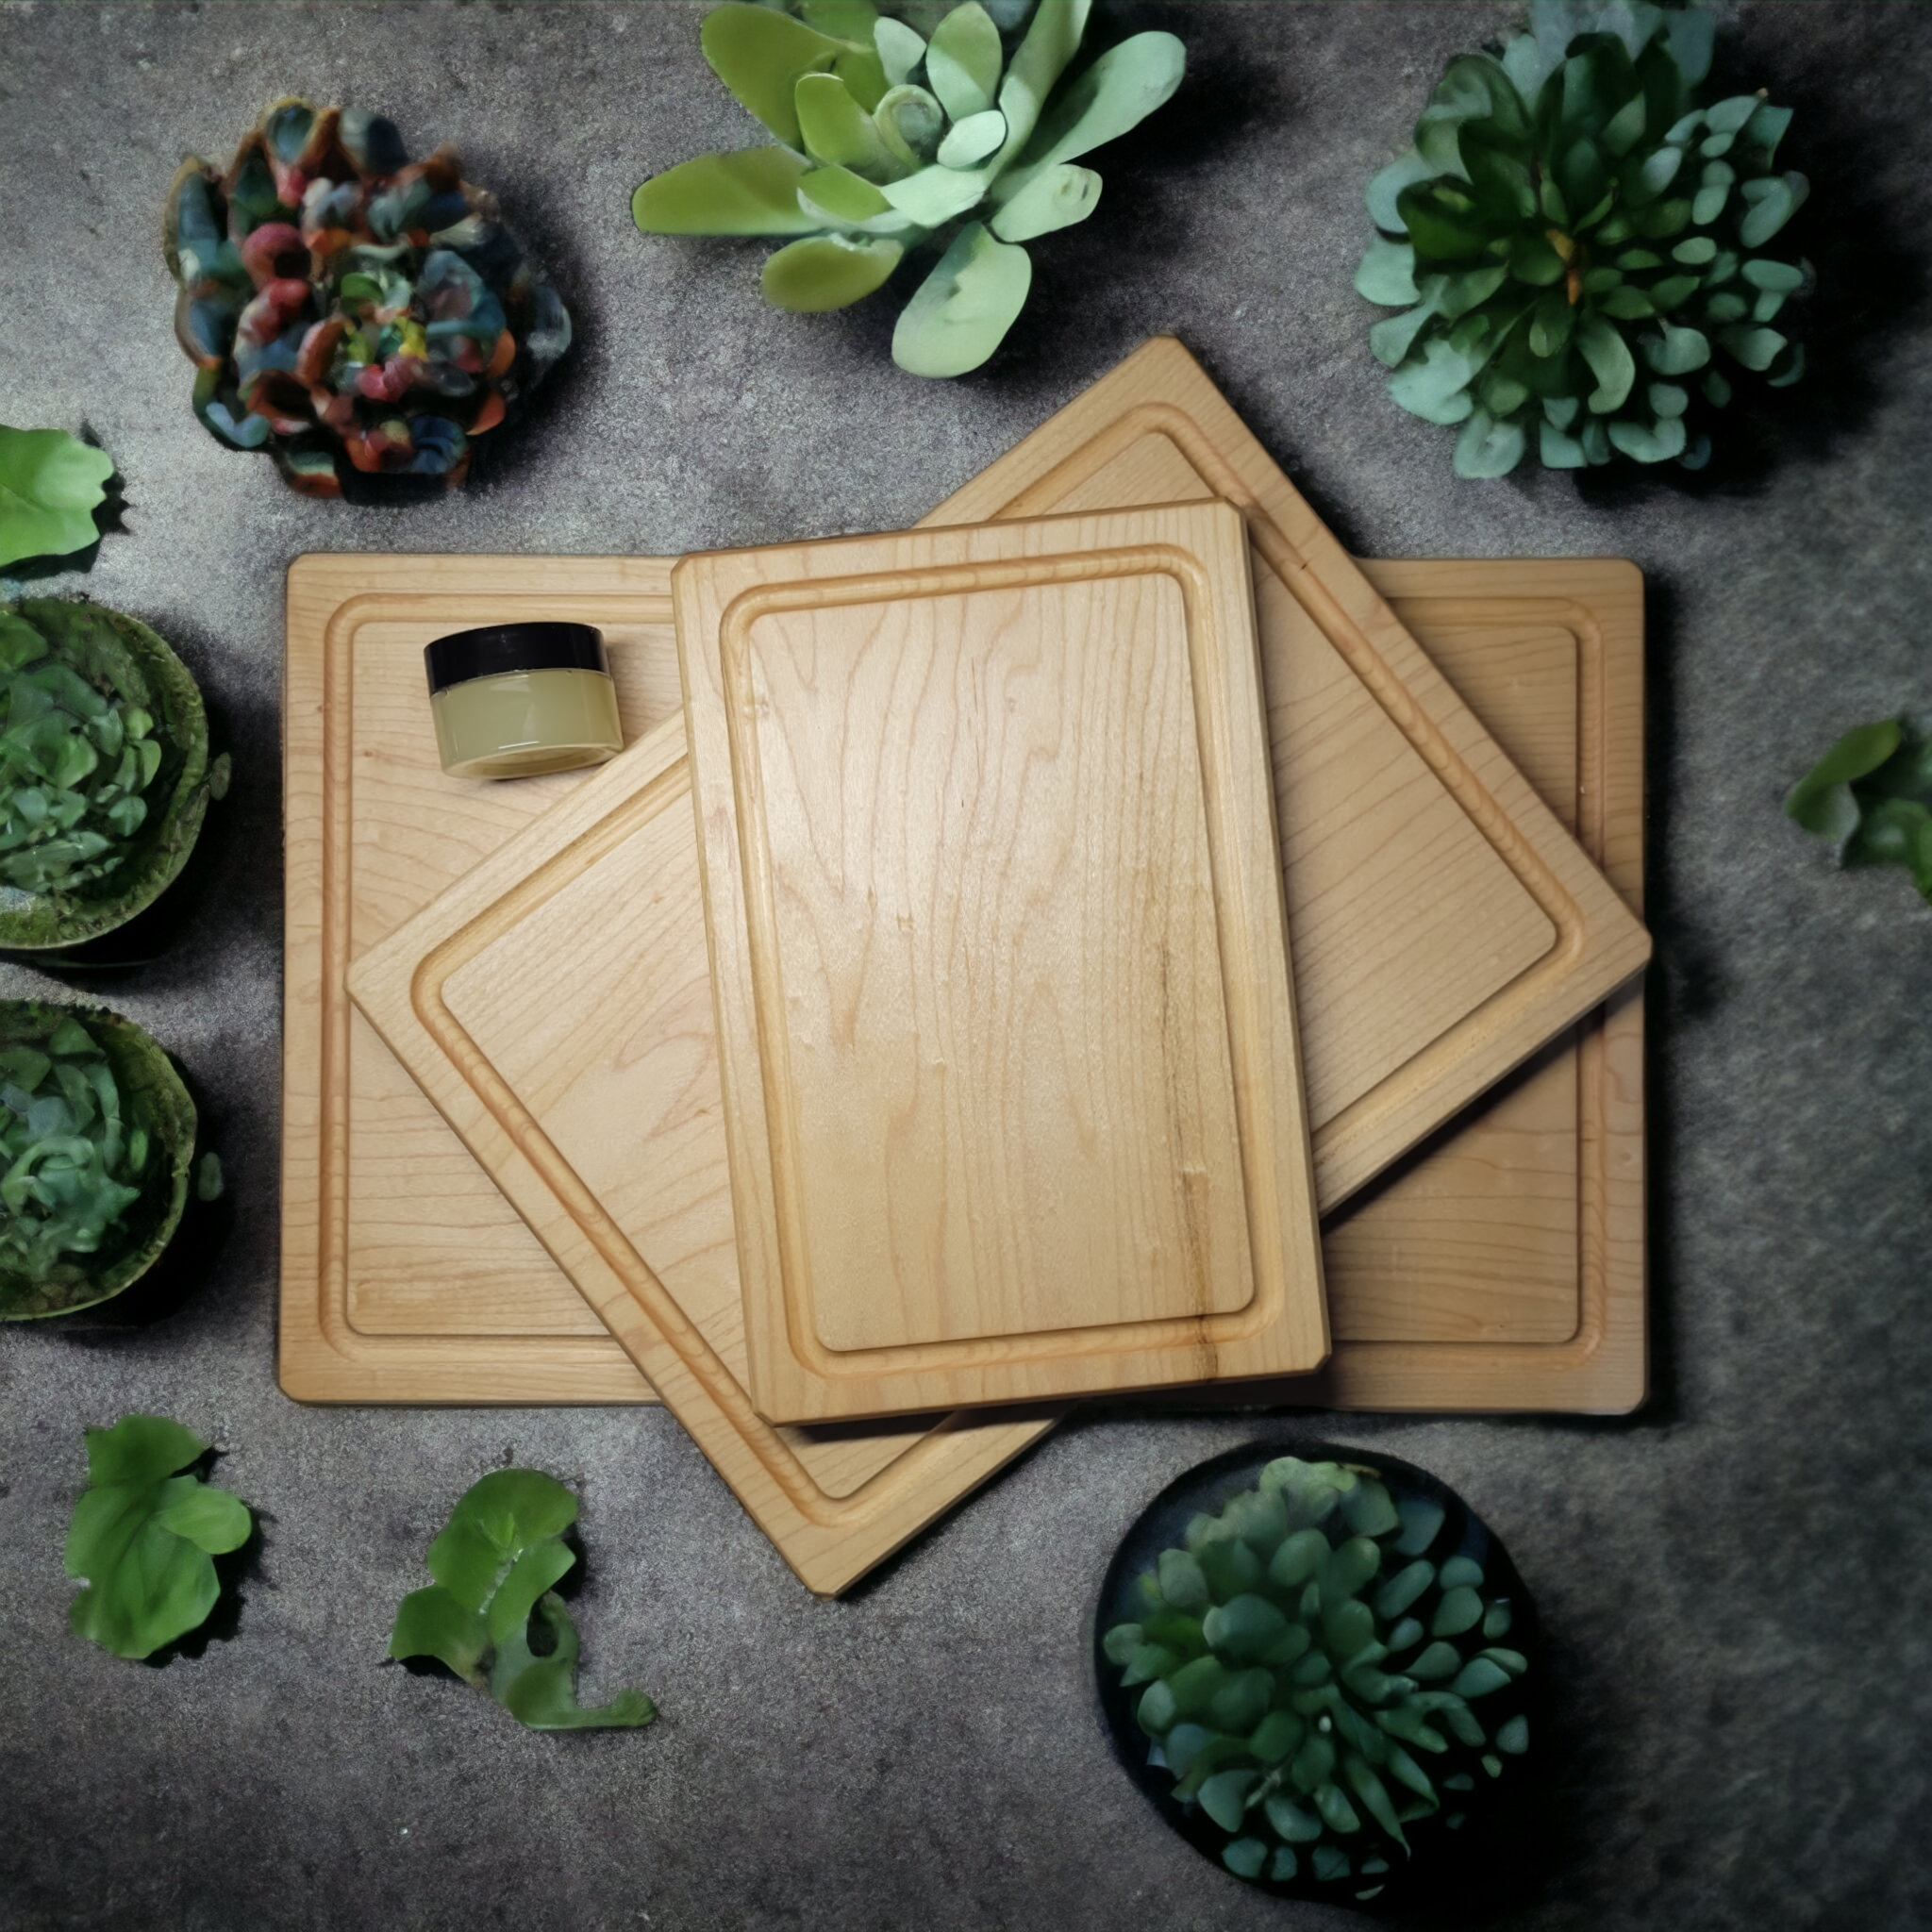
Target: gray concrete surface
[{"x": 1736, "y": 1579}]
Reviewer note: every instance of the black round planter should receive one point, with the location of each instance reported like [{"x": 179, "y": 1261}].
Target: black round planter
[{"x": 1463, "y": 1872}]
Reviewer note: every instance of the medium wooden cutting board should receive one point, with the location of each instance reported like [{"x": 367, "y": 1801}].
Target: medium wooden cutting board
[
  {"x": 1010, "y": 1077},
  {"x": 1501, "y": 1268}
]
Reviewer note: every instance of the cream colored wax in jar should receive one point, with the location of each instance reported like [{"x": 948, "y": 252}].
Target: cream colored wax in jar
[{"x": 514, "y": 700}]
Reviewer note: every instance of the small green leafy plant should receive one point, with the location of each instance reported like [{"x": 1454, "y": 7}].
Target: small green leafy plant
[
  {"x": 97, "y": 1141},
  {"x": 890, "y": 141},
  {"x": 1871, "y": 794},
  {"x": 50, "y": 486},
  {"x": 144, "y": 1534},
  {"x": 1310, "y": 1674},
  {"x": 491, "y": 1615},
  {"x": 105, "y": 775},
  {"x": 1574, "y": 239}
]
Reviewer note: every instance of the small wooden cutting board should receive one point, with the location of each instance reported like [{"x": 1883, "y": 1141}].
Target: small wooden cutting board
[{"x": 1011, "y": 1080}]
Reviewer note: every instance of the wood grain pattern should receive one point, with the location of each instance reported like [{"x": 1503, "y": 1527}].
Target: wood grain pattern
[
  {"x": 1011, "y": 1078},
  {"x": 1445, "y": 923},
  {"x": 436, "y": 1290}
]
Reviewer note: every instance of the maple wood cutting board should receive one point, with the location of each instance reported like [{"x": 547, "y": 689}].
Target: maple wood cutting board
[
  {"x": 1501, "y": 1268},
  {"x": 1011, "y": 1082}
]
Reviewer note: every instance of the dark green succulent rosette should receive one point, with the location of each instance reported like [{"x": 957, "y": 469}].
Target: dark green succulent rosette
[
  {"x": 1579, "y": 245},
  {"x": 97, "y": 1133},
  {"x": 105, "y": 776},
  {"x": 1325, "y": 1674}
]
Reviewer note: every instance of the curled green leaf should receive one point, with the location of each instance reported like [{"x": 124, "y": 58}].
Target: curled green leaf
[{"x": 50, "y": 486}]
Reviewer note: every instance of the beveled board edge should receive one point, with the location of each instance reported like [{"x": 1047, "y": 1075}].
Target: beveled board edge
[
  {"x": 1600, "y": 944},
  {"x": 794, "y": 1377},
  {"x": 829, "y": 1541},
  {"x": 321, "y": 1356}
]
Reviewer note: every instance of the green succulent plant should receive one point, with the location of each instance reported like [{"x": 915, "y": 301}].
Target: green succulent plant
[
  {"x": 97, "y": 1141},
  {"x": 892, "y": 142},
  {"x": 1312, "y": 1675},
  {"x": 352, "y": 311},
  {"x": 1871, "y": 794},
  {"x": 105, "y": 775},
  {"x": 1577, "y": 245}
]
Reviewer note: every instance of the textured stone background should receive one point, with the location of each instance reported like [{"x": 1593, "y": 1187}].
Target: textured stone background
[{"x": 1736, "y": 1578}]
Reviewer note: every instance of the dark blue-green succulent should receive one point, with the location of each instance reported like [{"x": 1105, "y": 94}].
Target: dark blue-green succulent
[
  {"x": 1577, "y": 245},
  {"x": 892, "y": 144},
  {"x": 1315, "y": 1669}
]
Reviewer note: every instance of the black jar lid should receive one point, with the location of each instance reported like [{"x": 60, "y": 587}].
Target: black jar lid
[{"x": 494, "y": 648}]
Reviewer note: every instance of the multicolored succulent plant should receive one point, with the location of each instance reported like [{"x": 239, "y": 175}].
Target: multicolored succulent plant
[
  {"x": 350, "y": 310},
  {"x": 891, "y": 139},
  {"x": 1576, "y": 242},
  {"x": 105, "y": 775},
  {"x": 97, "y": 1141},
  {"x": 1313, "y": 1660}
]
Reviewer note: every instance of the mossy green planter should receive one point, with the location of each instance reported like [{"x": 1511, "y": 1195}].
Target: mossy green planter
[
  {"x": 130, "y": 838},
  {"x": 100, "y": 1139}
]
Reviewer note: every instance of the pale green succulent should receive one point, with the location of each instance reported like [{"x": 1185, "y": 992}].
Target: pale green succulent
[{"x": 892, "y": 142}]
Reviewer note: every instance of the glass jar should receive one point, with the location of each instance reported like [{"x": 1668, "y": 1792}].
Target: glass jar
[{"x": 514, "y": 700}]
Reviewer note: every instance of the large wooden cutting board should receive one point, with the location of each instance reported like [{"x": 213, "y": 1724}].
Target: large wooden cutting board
[
  {"x": 1501, "y": 1267},
  {"x": 1011, "y": 1082}
]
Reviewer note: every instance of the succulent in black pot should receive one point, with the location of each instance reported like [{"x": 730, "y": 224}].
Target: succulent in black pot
[
  {"x": 98, "y": 1137},
  {"x": 105, "y": 772},
  {"x": 1323, "y": 1669}
]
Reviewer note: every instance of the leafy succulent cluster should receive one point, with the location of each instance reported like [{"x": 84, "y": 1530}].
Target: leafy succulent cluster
[
  {"x": 1573, "y": 240},
  {"x": 1871, "y": 794},
  {"x": 495, "y": 1567},
  {"x": 349, "y": 309},
  {"x": 1310, "y": 1674},
  {"x": 96, "y": 1136},
  {"x": 143, "y": 1537},
  {"x": 105, "y": 775},
  {"x": 50, "y": 486},
  {"x": 890, "y": 139}
]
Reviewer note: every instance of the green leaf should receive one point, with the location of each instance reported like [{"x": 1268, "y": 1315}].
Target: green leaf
[
  {"x": 1054, "y": 198},
  {"x": 494, "y": 1565},
  {"x": 1756, "y": 348},
  {"x": 847, "y": 200},
  {"x": 1053, "y": 37},
  {"x": 1678, "y": 351},
  {"x": 1436, "y": 388},
  {"x": 50, "y": 485},
  {"x": 751, "y": 192},
  {"x": 900, "y": 50},
  {"x": 1244, "y": 1627},
  {"x": 1385, "y": 189},
  {"x": 761, "y": 54},
  {"x": 973, "y": 140},
  {"x": 1648, "y": 443},
  {"x": 431, "y": 1623},
  {"x": 962, "y": 60},
  {"x": 1610, "y": 362},
  {"x": 1387, "y": 273},
  {"x": 825, "y": 271},
  {"x": 1443, "y": 220},
  {"x": 935, "y": 196},
  {"x": 1391, "y": 338},
  {"x": 910, "y": 122},
  {"x": 840, "y": 133},
  {"x": 1488, "y": 448},
  {"x": 541, "y": 1691},
  {"x": 1869, "y": 796},
  {"x": 962, "y": 310},
  {"x": 844, "y": 20},
  {"x": 1769, "y": 205},
  {"x": 1246, "y": 1857},
  {"x": 143, "y": 1536},
  {"x": 1223, "y": 1797},
  {"x": 1114, "y": 96}
]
